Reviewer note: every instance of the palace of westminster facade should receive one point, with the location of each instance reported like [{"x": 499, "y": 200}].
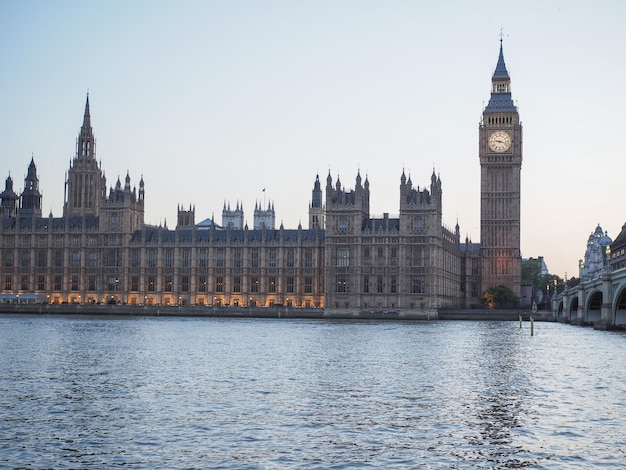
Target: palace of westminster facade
[{"x": 102, "y": 251}]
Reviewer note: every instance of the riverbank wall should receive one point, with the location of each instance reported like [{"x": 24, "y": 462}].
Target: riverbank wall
[{"x": 270, "y": 312}]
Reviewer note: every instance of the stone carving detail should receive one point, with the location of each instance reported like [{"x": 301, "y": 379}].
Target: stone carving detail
[{"x": 596, "y": 260}]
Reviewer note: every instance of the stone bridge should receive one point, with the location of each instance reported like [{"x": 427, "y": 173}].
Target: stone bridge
[{"x": 600, "y": 302}]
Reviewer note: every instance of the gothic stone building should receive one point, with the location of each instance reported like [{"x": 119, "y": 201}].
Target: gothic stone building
[
  {"x": 411, "y": 262},
  {"x": 102, "y": 251}
]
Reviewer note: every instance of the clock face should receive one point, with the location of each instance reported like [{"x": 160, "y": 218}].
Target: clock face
[{"x": 500, "y": 141}]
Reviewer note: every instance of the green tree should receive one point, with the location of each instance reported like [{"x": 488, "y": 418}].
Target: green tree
[
  {"x": 550, "y": 282},
  {"x": 531, "y": 276},
  {"x": 500, "y": 296}
]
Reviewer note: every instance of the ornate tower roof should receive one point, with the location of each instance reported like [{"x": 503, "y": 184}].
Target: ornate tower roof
[
  {"x": 8, "y": 188},
  {"x": 32, "y": 172},
  {"x": 316, "y": 197},
  {"x": 8, "y": 199},
  {"x": 501, "y": 72},
  {"x": 500, "y": 101},
  {"x": 596, "y": 256},
  {"x": 86, "y": 141},
  {"x": 87, "y": 116},
  {"x": 31, "y": 197},
  {"x": 85, "y": 183}
]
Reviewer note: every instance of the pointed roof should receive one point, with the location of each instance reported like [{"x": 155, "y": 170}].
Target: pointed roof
[
  {"x": 85, "y": 147},
  {"x": 32, "y": 169},
  {"x": 87, "y": 117},
  {"x": 317, "y": 186},
  {"x": 501, "y": 72},
  {"x": 8, "y": 192},
  {"x": 501, "y": 100}
]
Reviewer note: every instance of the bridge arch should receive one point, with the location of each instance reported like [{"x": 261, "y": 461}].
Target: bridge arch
[
  {"x": 573, "y": 310},
  {"x": 593, "y": 311},
  {"x": 619, "y": 306}
]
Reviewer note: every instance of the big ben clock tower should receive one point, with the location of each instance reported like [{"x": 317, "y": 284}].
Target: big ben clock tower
[{"x": 500, "y": 155}]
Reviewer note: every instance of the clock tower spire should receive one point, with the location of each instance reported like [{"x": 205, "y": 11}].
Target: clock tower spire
[{"x": 500, "y": 153}]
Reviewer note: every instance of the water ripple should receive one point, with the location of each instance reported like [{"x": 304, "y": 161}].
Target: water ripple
[{"x": 199, "y": 393}]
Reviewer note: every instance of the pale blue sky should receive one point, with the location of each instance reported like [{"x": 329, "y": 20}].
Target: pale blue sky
[{"x": 214, "y": 101}]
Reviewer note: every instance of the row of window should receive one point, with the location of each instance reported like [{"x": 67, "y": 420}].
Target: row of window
[
  {"x": 253, "y": 284},
  {"x": 501, "y": 88},
  {"x": 113, "y": 258},
  {"x": 59, "y": 240},
  {"x": 343, "y": 256},
  {"x": 377, "y": 284}
]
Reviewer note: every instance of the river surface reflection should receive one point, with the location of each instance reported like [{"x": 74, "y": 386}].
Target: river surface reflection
[{"x": 93, "y": 392}]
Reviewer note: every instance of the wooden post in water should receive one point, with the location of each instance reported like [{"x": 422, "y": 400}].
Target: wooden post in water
[
  {"x": 532, "y": 320},
  {"x": 520, "y": 321}
]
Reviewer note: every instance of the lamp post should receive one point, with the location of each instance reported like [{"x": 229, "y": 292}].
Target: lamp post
[{"x": 581, "y": 268}]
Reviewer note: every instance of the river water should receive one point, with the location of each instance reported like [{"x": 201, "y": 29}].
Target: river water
[{"x": 148, "y": 392}]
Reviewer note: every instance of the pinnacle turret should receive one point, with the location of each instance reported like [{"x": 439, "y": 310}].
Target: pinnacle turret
[
  {"x": 85, "y": 182},
  {"x": 87, "y": 116},
  {"x": 9, "y": 200},
  {"x": 86, "y": 147},
  {"x": 31, "y": 197}
]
